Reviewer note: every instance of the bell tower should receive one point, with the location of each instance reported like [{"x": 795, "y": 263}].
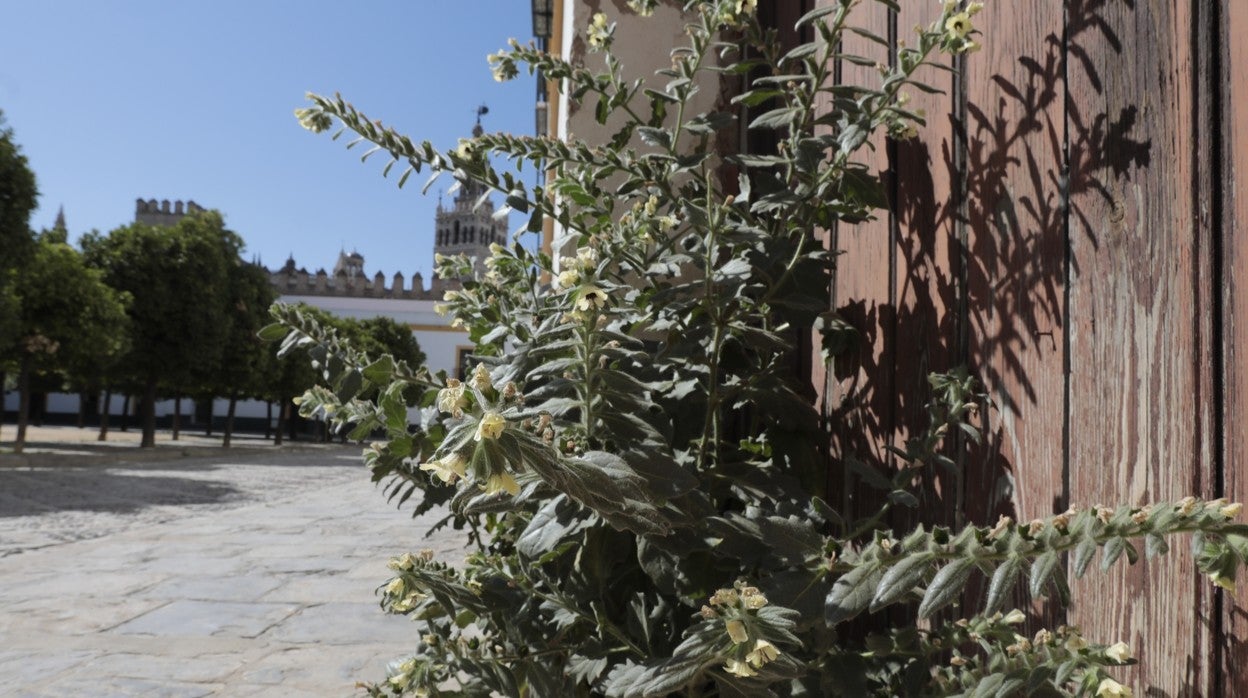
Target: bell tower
[{"x": 463, "y": 229}]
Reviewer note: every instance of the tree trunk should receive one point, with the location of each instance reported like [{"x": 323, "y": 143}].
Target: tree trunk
[
  {"x": 281, "y": 420},
  {"x": 23, "y": 403},
  {"x": 108, "y": 399},
  {"x": 3, "y": 378},
  {"x": 149, "y": 414},
  {"x": 212, "y": 402},
  {"x": 125, "y": 413},
  {"x": 268, "y": 419},
  {"x": 229, "y": 420},
  {"x": 177, "y": 417},
  {"x": 82, "y": 409}
]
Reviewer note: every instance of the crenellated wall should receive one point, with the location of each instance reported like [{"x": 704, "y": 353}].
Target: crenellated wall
[
  {"x": 153, "y": 212},
  {"x": 298, "y": 282}
]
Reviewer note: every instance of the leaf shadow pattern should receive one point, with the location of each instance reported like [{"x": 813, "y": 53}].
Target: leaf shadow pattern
[{"x": 980, "y": 262}]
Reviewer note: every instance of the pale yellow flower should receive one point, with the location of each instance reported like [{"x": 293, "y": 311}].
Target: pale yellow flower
[
  {"x": 1232, "y": 510},
  {"x": 641, "y": 8},
  {"x": 491, "y": 426},
  {"x": 1075, "y": 642},
  {"x": 1014, "y": 617},
  {"x": 762, "y": 653},
  {"x": 599, "y": 33},
  {"x": 591, "y": 298},
  {"x": 481, "y": 378},
  {"x": 402, "y": 562},
  {"x": 736, "y": 631},
  {"x": 746, "y": 6},
  {"x": 396, "y": 586},
  {"x": 587, "y": 257},
  {"x": 958, "y": 25},
  {"x": 1186, "y": 506},
  {"x": 447, "y": 468},
  {"x": 1003, "y": 523},
  {"x": 974, "y": 8},
  {"x": 502, "y": 482},
  {"x": 567, "y": 278},
  {"x": 452, "y": 399},
  {"x": 1109, "y": 688},
  {"x": 652, "y": 205},
  {"x": 1119, "y": 652},
  {"x": 736, "y": 667},
  {"x": 724, "y": 597}
]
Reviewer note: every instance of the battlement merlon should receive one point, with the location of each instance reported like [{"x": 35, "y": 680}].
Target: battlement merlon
[{"x": 289, "y": 281}]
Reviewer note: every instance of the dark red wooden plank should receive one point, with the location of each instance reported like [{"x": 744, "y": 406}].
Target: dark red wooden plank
[
  {"x": 1234, "y": 199},
  {"x": 1138, "y": 325},
  {"x": 860, "y": 396}
]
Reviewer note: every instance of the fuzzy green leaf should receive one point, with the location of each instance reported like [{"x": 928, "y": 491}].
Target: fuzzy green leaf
[
  {"x": 851, "y": 594},
  {"x": 946, "y": 586},
  {"x": 1002, "y": 583},
  {"x": 1042, "y": 569},
  {"x": 900, "y": 579},
  {"x": 1084, "y": 553}
]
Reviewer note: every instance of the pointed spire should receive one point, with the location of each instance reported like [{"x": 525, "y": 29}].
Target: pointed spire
[{"x": 60, "y": 220}]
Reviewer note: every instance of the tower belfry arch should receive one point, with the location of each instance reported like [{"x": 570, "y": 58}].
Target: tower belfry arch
[{"x": 463, "y": 227}]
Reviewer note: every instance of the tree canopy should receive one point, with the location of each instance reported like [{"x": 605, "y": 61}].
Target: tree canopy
[
  {"x": 69, "y": 319},
  {"x": 179, "y": 279}
]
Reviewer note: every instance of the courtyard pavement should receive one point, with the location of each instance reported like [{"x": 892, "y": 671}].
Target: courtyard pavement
[{"x": 190, "y": 570}]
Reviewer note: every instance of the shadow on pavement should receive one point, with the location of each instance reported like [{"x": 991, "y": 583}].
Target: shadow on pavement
[{"x": 40, "y": 491}]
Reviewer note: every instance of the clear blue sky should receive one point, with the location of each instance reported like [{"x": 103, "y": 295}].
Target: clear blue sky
[{"x": 124, "y": 99}]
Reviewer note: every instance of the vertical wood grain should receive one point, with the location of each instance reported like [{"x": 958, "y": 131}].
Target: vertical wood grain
[
  {"x": 927, "y": 172},
  {"x": 1015, "y": 310},
  {"x": 1233, "y": 50},
  {"x": 1139, "y": 336},
  {"x": 1016, "y": 251},
  {"x": 860, "y": 395}
]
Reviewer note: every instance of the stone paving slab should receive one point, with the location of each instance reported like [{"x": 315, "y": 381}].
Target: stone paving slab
[{"x": 152, "y": 591}]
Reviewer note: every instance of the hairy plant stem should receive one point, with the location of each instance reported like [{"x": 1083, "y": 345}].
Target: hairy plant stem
[{"x": 710, "y": 424}]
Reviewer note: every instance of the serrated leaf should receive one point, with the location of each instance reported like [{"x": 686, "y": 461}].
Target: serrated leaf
[
  {"x": 1041, "y": 570},
  {"x": 946, "y": 586},
  {"x": 851, "y": 594},
  {"x": 1002, "y": 583},
  {"x": 900, "y": 579}
]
